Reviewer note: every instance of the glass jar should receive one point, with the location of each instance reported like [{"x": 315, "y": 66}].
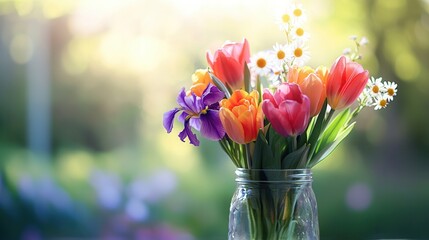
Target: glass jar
[{"x": 273, "y": 204}]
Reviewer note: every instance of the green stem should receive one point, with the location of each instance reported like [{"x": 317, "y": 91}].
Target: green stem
[
  {"x": 294, "y": 143},
  {"x": 356, "y": 112},
  {"x": 243, "y": 151},
  {"x": 248, "y": 155}
]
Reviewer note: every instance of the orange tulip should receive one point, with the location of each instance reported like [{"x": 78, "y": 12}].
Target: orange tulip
[
  {"x": 322, "y": 72},
  {"x": 298, "y": 75},
  {"x": 312, "y": 84},
  {"x": 345, "y": 83},
  {"x": 241, "y": 116},
  {"x": 201, "y": 78}
]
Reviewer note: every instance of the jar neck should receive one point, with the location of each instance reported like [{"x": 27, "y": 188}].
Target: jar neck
[{"x": 275, "y": 176}]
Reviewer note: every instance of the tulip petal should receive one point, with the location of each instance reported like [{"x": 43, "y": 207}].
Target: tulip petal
[
  {"x": 247, "y": 121},
  {"x": 335, "y": 76},
  {"x": 231, "y": 125},
  {"x": 354, "y": 88},
  {"x": 209, "y": 58},
  {"x": 345, "y": 83},
  {"x": 277, "y": 118},
  {"x": 313, "y": 88},
  {"x": 292, "y": 114},
  {"x": 245, "y": 52},
  {"x": 269, "y": 96},
  {"x": 230, "y": 71},
  {"x": 352, "y": 69}
]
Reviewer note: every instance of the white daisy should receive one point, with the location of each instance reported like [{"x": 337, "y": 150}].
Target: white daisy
[
  {"x": 281, "y": 52},
  {"x": 291, "y": 16},
  {"x": 281, "y": 56},
  {"x": 284, "y": 20},
  {"x": 380, "y": 102},
  {"x": 300, "y": 53},
  {"x": 261, "y": 63},
  {"x": 298, "y": 14},
  {"x": 375, "y": 87},
  {"x": 391, "y": 90},
  {"x": 299, "y": 33}
]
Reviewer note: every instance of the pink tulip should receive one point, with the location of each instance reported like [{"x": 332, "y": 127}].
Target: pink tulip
[
  {"x": 228, "y": 62},
  {"x": 288, "y": 110},
  {"x": 345, "y": 83}
]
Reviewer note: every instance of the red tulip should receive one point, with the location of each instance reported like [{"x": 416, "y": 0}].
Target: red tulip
[
  {"x": 228, "y": 62},
  {"x": 345, "y": 83},
  {"x": 288, "y": 110}
]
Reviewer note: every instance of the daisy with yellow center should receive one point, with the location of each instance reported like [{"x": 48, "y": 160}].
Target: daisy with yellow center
[
  {"x": 298, "y": 14},
  {"x": 291, "y": 16},
  {"x": 299, "y": 53},
  {"x": 261, "y": 63},
  {"x": 299, "y": 33},
  {"x": 285, "y": 20},
  {"x": 281, "y": 55},
  {"x": 381, "y": 102},
  {"x": 377, "y": 93},
  {"x": 391, "y": 90},
  {"x": 375, "y": 86}
]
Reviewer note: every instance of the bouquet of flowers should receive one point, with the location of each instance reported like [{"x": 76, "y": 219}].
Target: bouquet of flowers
[{"x": 271, "y": 110}]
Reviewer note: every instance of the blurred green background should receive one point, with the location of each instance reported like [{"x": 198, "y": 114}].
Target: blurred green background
[{"x": 84, "y": 84}]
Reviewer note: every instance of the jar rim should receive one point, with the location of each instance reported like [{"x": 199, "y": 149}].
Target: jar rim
[{"x": 289, "y": 176}]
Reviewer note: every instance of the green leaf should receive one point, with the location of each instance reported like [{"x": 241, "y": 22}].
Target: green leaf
[
  {"x": 302, "y": 139},
  {"x": 219, "y": 84},
  {"x": 293, "y": 159},
  {"x": 262, "y": 155},
  {"x": 259, "y": 88},
  {"x": 246, "y": 74},
  {"x": 277, "y": 143},
  {"x": 303, "y": 162},
  {"x": 317, "y": 127},
  {"x": 331, "y": 132},
  {"x": 310, "y": 126},
  {"x": 324, "y": 152}
]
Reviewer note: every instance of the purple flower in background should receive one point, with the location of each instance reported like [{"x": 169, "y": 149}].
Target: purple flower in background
[{"x": 200, "y": 113}]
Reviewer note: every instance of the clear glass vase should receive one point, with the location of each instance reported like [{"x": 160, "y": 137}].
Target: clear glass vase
[{"x": 273, "y": 204}]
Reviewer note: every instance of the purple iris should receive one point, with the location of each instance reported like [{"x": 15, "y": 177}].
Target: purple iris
[{"x": 200, "y": 113}]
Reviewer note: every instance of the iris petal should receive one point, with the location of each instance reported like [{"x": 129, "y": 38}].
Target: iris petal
[
  {"x": 195, "y": 123},
  {"x": 187, "y": 132},
  {"x": 168, "y": 119},
  {"x": 212, "y": 95},
  {"x": 211, "y": 126}
]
